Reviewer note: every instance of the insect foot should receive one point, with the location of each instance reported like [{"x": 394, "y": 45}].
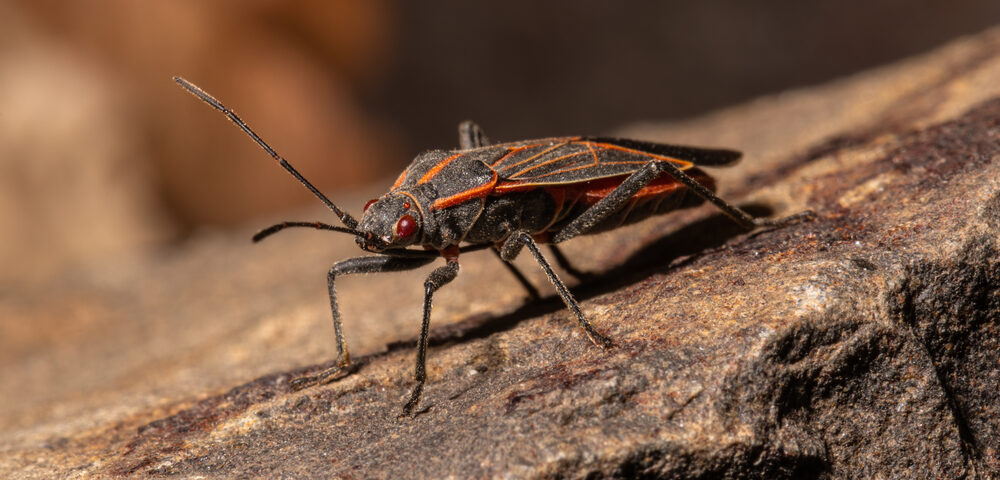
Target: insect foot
[
  {"x": 325, "y": 376},
  {"x": 803, "y": 216}
]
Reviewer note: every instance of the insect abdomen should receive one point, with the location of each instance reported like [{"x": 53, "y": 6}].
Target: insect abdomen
[{"x": 661, "y": 196}]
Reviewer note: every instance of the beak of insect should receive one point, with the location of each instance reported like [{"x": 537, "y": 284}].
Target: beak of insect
[{"x": 369, "y": 242}]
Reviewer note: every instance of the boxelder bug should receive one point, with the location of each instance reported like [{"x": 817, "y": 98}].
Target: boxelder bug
[{"x": 507, "y": 196}]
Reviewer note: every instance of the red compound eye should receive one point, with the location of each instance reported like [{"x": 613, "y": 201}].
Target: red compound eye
[
  {"x": 406, "y": 226},
  {"x": 370, "y": 202}
]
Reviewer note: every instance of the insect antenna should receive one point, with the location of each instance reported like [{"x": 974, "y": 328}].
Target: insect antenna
[
  {"x": 345, "y": 217},
  {"x": 267, "y": 232}
]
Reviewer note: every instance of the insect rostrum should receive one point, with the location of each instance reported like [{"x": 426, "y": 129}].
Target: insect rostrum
[{"x": 506, "y": 196}]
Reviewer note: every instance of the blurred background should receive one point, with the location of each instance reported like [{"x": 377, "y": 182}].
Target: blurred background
[{"x": 102, "y": 156}]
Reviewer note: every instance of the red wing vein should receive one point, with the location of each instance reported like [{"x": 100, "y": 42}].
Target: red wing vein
[
  {"x": 547, "y": 162},
  {"x": 512, "y": 151},
  {"x": 543, "y": 152}
]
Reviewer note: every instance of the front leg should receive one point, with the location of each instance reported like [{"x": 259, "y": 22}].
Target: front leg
[
  {"x": 370, "y": 264},
  {"x": 512, "y": 246},
  {"x": 438, "y": 278}
]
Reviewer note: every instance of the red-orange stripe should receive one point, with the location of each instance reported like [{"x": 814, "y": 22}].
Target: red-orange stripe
[
  {"x": 513, "y": 151},
  {"x": 509, "y": 187},
  {"x": 399, "y": 181},
  {"x": 437, "y": 168},
  {"x": 553, "y": 160},
  {"x": 461, "y": 197},
  {"x": 610, "y": 146},
  {"x": 543, "y": 152},
  {"x": 661, "y": 188}
]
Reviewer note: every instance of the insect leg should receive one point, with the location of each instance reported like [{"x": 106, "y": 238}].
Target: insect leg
[
  {"x": 438, "y": 278},
  {"x": 370, "y": 264},
  {"x": 512, "y": 246},
  {"x": 532, "y": 291},
  {"x": 635, "y": 182},
  {"x": 471, "y": 135},
  {"x": 740, "y": 216},
  {"x": 611, "y": 203}
]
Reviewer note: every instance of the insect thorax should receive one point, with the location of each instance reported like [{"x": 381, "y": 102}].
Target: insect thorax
[{"x": 533, "y": 211}]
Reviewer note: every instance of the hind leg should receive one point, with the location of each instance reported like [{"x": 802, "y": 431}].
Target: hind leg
[{"x": 635, "y": 182}]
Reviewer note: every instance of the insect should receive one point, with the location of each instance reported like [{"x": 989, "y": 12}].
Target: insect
[{"x": 506, "y": 196}]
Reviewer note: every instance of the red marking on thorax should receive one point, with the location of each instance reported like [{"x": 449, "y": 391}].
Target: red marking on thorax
[
  {"x": 437, "y": 168},
  {"x": 461, "y": 197},
  {"x": 399, "y": 181}
]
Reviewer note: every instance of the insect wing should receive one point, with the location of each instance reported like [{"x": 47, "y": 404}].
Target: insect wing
[{"x": 560, "y": 161}]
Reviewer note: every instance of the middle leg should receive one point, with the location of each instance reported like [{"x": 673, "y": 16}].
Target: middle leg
[{"x": 512, "y": 246}]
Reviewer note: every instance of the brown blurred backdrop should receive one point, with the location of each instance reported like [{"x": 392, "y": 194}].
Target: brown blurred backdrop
[{"x": 102, "y": 156}]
